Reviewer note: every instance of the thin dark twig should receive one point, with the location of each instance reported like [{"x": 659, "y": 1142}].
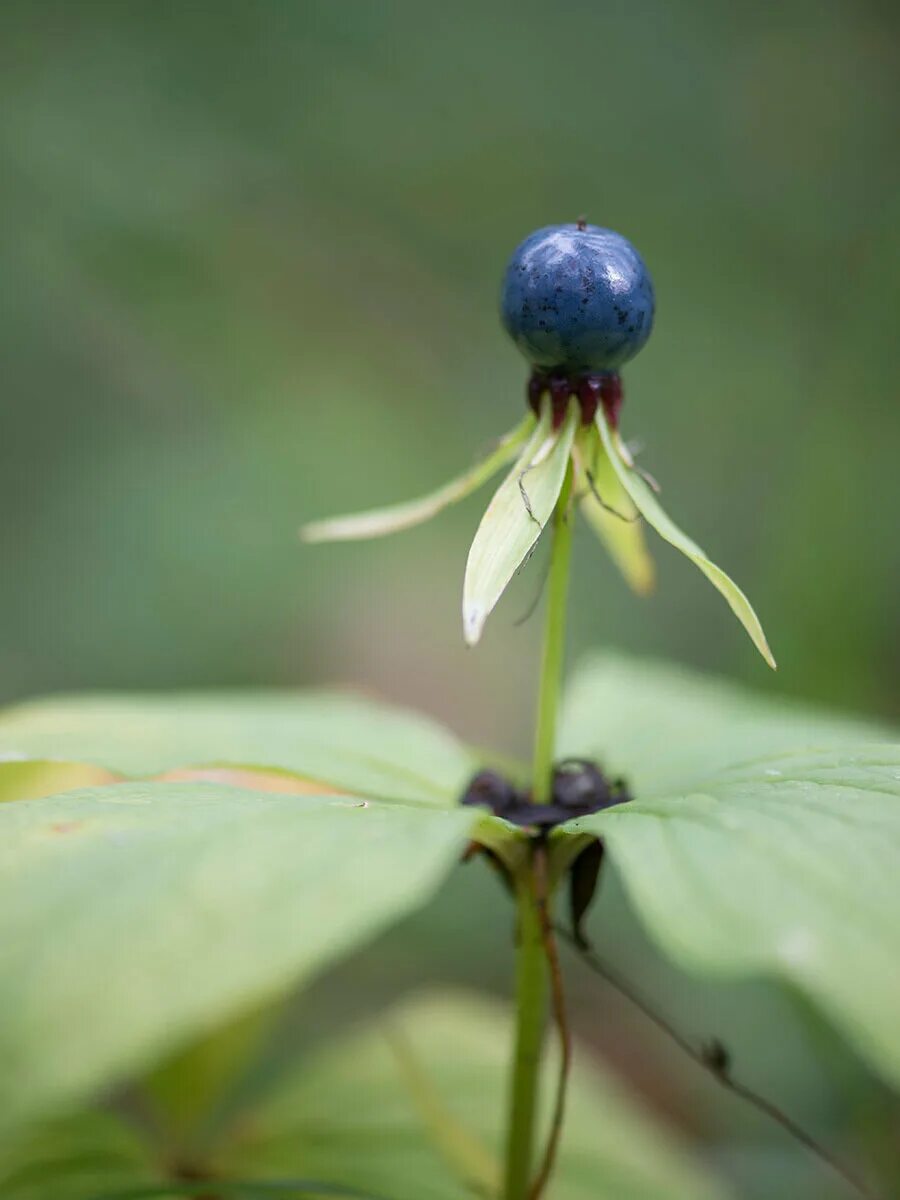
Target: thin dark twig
[
  {"x": 634, "y": 449},
  {"x": 714, "y": 1059},
  {"x": 648, "y": 479},
  {"x": 524, "y": 494},
  {"x": 541, "y": 893},
  {"x": 532, "y": 607},
  {"x": 609, "y": 508}
]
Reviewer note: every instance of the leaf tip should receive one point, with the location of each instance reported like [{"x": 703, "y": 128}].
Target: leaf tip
[
  {"x": 759, "y": 639},
  {"x": 473, "y": 624}
]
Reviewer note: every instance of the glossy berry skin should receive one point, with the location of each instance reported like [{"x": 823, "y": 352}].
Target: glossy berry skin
[{"x": 577, "y": 299}]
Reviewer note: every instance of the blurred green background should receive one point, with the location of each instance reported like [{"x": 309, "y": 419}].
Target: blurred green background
[
  {"x": 249, "y": 277},
  {"x": 250, "y": 272}
]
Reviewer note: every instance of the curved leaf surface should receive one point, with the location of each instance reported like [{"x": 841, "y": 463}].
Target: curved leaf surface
[
  {"x": 76, "y": 1158},
  {"x": 136, "y": 916},
  {"x": 28, "y": 779},
  {"x": 665, "y": 727},
  {"x": 784, "y": 867},
  {"x": 351, "y": 1115},
  {"x": 351, "y": 1122},
  {"x": 345, "y": 741}
]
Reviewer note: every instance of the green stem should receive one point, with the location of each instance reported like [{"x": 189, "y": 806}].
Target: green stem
[
  {"x": 531, "y": 1004},
  {"x": 531, "y": 960},
  {"x": 554, "y": 646}
]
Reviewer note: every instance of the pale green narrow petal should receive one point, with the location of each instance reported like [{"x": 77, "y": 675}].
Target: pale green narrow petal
[
  {"x": 653, "y": 513},
  {"x": 514, "y": 519},
  {"x": 622, "y": 535},
  {"x": 379, "y": 521}
]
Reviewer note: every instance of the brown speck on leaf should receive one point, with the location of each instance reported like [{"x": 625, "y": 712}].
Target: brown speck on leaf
[
  {"x": 261, "y": 781},
  {"x": 65, "y": 826}
]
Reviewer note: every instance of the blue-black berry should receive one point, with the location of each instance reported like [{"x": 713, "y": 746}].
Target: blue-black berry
[
  {"x": 577, "y": 298},
  {"x": 578, "y": 302}
]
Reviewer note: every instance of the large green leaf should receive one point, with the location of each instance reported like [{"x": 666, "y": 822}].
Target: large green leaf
[
  {"x": 346, "y": 741},
  {"x": 381, "y": 1112},
  {"x": 652, "y": 511},
  {"x": 381, "y": 521},
  {"x": 515, "y": 519},
  {"x": 350, "y": 1115},
  {"x": 665, "y": 727},
  {"x": 783, "y": 867},
  {"x": 136, "y": 916},
  {"x": 762, "y": 838},
  {"x": 93, "y": 1155}
]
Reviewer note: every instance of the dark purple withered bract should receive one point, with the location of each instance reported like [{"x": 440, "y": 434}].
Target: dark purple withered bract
[
  {"x": 577, "y": 299},
  {"x": 579, "y": 789}
]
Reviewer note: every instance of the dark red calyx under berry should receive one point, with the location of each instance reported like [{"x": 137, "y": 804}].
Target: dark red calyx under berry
[
  {"x": 579, "y": 789},
  {"x": 589, "y": 390}
]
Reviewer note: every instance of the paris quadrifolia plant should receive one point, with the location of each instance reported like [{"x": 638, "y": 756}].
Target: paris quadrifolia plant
[{"x": 176, "y": 871}]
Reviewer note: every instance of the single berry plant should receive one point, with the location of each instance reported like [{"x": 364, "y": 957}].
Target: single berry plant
[
  {"x": 578, "y": 302},
  {"x": 173, "y": 869}
]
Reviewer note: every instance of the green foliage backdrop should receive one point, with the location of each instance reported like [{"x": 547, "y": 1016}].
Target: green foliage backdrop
[{"x": 249, "y": 270}]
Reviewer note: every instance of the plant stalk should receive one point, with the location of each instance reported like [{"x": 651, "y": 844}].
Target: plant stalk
[
  {"x": 531, "y": 960},
  {"x": 554, "y": 646},
  {"x": 531, "y": 1007}
]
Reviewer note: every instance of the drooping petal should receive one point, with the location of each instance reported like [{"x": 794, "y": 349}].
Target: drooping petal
[
  {"x": 620, "y": 530},
  {"x": 653, "y": 513},
  {"x": 380, "y": 521},
  {"x": 515, "y": 518}
]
